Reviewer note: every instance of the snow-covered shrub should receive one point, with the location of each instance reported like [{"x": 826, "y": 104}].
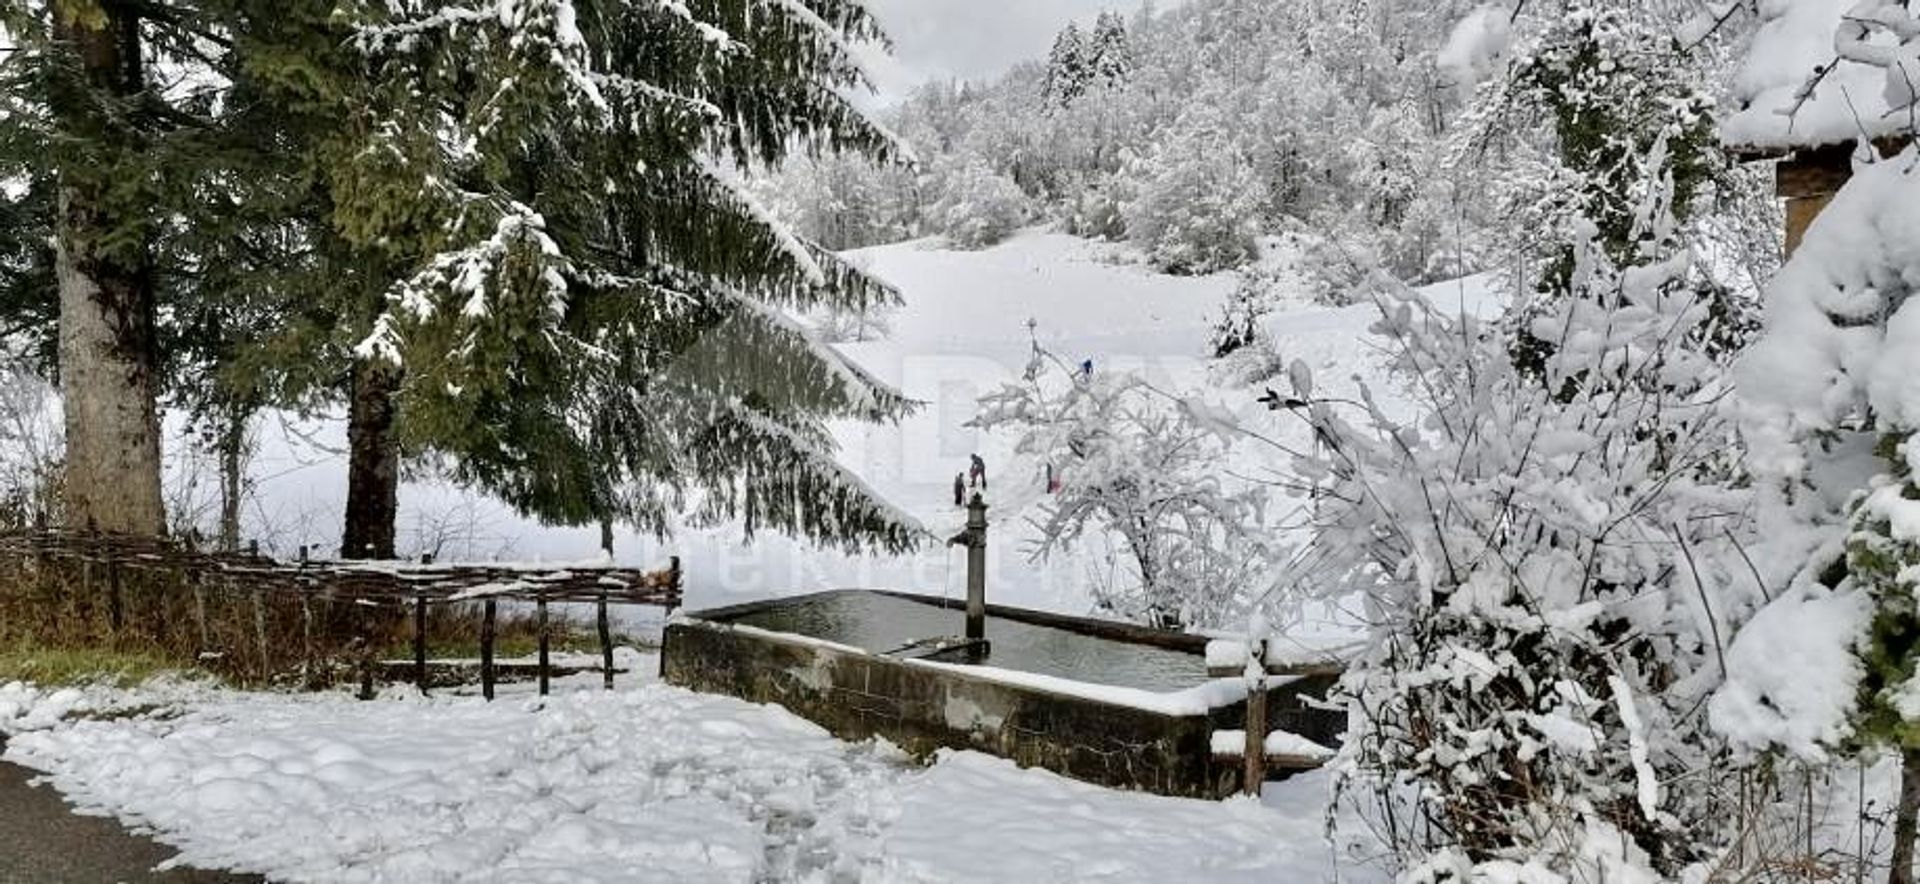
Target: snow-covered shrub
[
  {"x": 1241, "y": 323},
  {"x": 1546, "y": 558},
  {"x": 31, "y": 448},
  {"x": 978, "y": 207},
  {"x": 1833, "y": 391},
  {"x": 1139, "y": 468},
  {"x": 1099, "y": 211}
]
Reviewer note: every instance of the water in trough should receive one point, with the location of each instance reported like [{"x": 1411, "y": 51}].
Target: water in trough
[{"x": 882, "y": 623}]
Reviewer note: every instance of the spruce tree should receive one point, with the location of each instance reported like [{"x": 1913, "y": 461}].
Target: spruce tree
[
  {"x": 1111, "y": 59},
  {"x": 1068, "y": 68},
  {"x": 588, "y": 317},
  {"x": 81, "y": 116}
]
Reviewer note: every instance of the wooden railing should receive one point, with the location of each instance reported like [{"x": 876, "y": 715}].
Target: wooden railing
[{"x": 100, "y": 560}]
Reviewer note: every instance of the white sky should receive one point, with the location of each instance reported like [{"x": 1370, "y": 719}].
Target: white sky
[{"x": 974, "y": 39}]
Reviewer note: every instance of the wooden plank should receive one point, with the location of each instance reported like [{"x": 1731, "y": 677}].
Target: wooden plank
[
  {"x": 1295, "y": 669},
  {"x": 1277, "y": 760},
  {"x": 1814, "y": 172}
]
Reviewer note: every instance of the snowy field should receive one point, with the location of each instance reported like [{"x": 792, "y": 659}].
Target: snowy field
[
  {"x": 647, "y": 783},
  {"x": 963, "y": 330}
]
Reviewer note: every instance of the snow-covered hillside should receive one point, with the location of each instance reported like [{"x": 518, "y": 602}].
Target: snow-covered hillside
[{"x": 964, "y": 329}]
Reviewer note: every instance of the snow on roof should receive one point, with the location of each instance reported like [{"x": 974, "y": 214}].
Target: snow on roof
[{"x": 1794, "y": 43}]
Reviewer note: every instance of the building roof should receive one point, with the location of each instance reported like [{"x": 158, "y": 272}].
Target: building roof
[{"x": 1793, "y": 45}]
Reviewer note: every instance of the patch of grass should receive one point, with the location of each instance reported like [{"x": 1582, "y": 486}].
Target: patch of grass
[{"x": 69, "y": 666}]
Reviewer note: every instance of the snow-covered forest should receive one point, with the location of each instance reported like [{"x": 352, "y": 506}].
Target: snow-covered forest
[{"x": 1533, "y": 372}]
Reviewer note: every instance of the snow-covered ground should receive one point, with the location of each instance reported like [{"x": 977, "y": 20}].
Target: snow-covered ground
[
  {"x": 657, "y": 783},
  {"x": 964, "y": 330},
  {"x": 647, "y": 783}
]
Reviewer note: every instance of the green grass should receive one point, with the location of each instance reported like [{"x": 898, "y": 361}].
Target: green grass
[{"x": 70, "y": 666}]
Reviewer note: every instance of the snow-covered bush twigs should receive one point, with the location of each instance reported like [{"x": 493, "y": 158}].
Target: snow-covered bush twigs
[
  {"x": 1550, "y": 565},
  {"x": 1829, "y": 667},
  {"x": 31, "y": 447},
  {"x": 1123, "y": 459}
]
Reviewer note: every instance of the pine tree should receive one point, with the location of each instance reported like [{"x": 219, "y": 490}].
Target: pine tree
[
  {"x": 1110, "y": 56},
  {"x": 209, "y": 205},
  {"x": 79, "y": 98},
  {"x": 589, "y": 317},
  {"x": 1069, "y": 68}
]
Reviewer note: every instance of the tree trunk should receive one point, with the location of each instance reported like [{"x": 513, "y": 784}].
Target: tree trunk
[
  {"x": 373, "y": 463},
  {"x": 233, "y": 441},
  {"x": 1905, "y": 817},
  {"x": 107, "y": 344}
]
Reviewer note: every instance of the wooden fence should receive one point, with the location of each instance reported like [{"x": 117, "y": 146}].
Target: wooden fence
[{"x": 99, "y": 562}]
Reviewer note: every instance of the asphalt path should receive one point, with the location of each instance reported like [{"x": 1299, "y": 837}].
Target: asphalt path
[{"x": 42, "y": 841}]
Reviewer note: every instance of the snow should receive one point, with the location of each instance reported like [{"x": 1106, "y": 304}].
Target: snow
[
  {"x": 1197, "y": 700},
  {"x": 648, "y": 783},
  {"x": 1792, "y": 674},
  {"x": 1796, "y": 39},
  {"x": 1277, "y": 743},
  {"x": 1281, "y": 651},
  {"x": 1825, "y": 353},
  {"x": 1476, "y": 46},
  {"x": 962, "y": 332}
]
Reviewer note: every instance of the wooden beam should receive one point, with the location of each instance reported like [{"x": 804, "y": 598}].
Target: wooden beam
[
  {"x": 1296, "y": 669},
  {"x": 1276, "y": 760},
  {"x": 1814, "y": 172}
]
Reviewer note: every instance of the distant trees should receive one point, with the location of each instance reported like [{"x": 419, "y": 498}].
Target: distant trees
[
  {"x": 1079, "y": 63},
  {"x": 1315, "y": 114}
]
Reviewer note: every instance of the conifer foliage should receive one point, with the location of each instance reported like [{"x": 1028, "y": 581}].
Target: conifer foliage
[{"x": 589, "y": 314}]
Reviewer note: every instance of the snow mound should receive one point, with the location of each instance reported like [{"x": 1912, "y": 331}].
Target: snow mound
[{"x": 1795, "y": 41}]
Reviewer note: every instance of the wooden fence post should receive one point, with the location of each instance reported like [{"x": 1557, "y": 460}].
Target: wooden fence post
[
  {"x": 260, "y": 633},
  {"x": 486, "y": 649},
  {"x": 116, "y": 612},
  {"x": 199, "y": 598},
  {"x": 308, "y": 671},
  {"x": 540, "y": 607},
  {"x": 1256, "y": 728},
  {"x": 420, "y": 641},
  {"x": 606, "y": 643}
]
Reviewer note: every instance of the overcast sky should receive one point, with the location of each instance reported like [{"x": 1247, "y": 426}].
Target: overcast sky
[{"x": 974, "y": 39}]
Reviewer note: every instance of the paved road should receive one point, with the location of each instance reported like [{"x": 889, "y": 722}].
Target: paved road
[{"x": 43, "y": 842}]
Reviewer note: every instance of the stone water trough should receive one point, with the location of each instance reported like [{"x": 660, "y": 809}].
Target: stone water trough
[{"x": 1108, "y": 703}]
